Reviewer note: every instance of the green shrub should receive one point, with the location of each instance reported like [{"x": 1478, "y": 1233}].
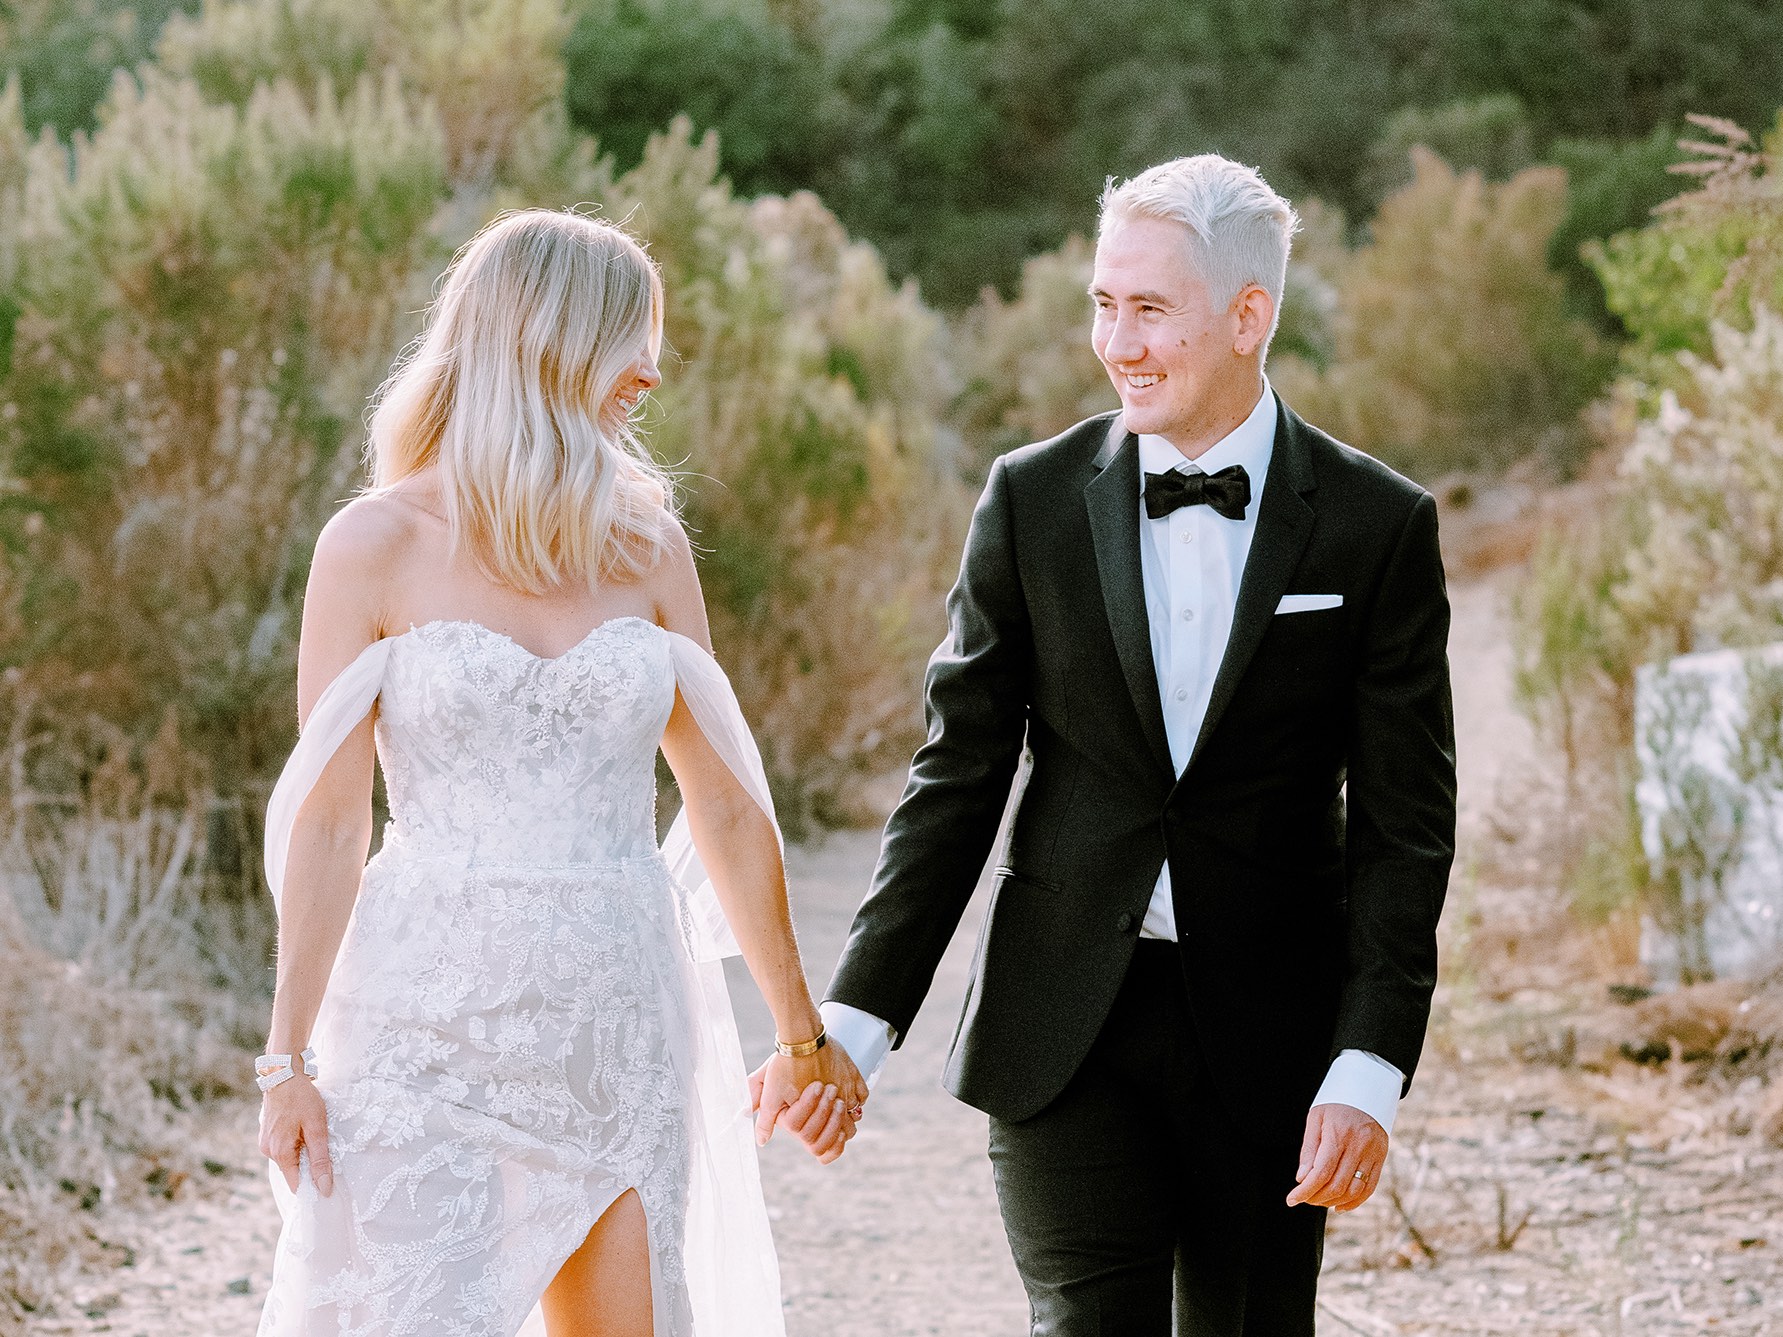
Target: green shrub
[
  {"x": 1684, "y": 551},
  {"x": 204, "y": 294},
  {"x": 1611, "y": 187},
  {"x": 738, "y": 68},
  {"x": 962, "y": 138},
  {"x": 488, "y": 69},
  {"x": 1027, "y": 366},
  {"x": 1686, "y": 554},
  {"x": 64, "y": 52},
  {"x": 1713, "y": 254},
  {"x": 803, "y": 402},
  {"x": 1489, "y": 135},
  {"x": 1453, "y": 348},
  {"x": 197, "y": 303}
]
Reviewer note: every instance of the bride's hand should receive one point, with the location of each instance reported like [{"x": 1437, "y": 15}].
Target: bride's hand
[
  {"x": 293, "y": 1117},
  {"x": 819, "y": 1098}
]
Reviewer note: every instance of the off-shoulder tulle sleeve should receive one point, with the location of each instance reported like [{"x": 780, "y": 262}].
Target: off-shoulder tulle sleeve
[
  {"x": 714, "y": 707},
  {"x": 732, "y": 1273},
  {"x": 338, "y": 711},
  {"x": 703, "y": 686}
]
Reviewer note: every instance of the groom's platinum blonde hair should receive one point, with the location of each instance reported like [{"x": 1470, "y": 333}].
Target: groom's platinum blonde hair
[
  {"x": 509, "y": 391},
  {"x": 1238, "y": 230}
]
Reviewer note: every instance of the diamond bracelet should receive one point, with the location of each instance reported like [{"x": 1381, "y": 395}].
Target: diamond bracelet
[{"x": 272, "y": 1069}]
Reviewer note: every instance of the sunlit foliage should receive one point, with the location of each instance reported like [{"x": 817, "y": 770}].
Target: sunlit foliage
[
  {"x": 1453, "y": 345},
  {"x": 196, "y": 302}
]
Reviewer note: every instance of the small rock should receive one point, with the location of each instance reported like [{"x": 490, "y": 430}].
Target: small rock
[{"x": 103, "y": 1305}]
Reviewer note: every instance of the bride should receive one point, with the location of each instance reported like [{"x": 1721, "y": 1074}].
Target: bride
[{"x": 504, "y": 1087}]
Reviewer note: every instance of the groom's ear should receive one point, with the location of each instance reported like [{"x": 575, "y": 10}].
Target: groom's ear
[{"x": 1254, "y": 309}]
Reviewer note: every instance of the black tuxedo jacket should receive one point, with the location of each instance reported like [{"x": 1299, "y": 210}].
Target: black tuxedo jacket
[{"x": 1306, "y": 924}]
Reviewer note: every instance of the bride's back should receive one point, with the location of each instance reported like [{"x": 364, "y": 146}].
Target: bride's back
[
  {"x": 495, "y": 756},
  {"x": 425, "y": 580},
  {"x": 508, "y": 489},
  {"x": 508, "y": 422}
]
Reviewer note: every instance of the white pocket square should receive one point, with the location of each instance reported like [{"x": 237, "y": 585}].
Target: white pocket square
[{"x": 1308, "y": 603}]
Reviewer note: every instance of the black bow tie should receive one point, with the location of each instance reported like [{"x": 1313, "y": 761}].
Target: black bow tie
[{"x": 1228, "y": 491}]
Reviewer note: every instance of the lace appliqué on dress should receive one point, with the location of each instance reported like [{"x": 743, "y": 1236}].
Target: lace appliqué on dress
[{"x": 513, "y": 1031}]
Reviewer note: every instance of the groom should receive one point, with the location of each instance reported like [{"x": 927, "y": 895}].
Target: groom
[{"x": 1211, "y": 642}]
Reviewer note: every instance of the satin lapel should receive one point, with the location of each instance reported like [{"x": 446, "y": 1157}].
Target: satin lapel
[
  {"x": 1284, "y": 523},
  {"x": 1112, "y": 498}
]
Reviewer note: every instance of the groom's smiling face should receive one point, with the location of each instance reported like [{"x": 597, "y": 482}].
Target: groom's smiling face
[{"x": 1173, "y": 358}]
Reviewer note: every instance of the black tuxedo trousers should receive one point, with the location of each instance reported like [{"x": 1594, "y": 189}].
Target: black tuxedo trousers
[
  {"x": 1309, "y": 838},
  {"x": 1132, "y": 1204}
]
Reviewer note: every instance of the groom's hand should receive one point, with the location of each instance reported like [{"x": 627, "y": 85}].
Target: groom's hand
[{"x": 1341, "y": 1158}]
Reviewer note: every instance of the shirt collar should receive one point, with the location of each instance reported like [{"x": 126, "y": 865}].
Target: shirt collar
[{"x": 1251, "y": 444}]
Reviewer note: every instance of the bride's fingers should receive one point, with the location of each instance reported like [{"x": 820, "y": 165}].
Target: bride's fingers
[
  {"x": 284, "y": 1155},
  {"x": 321, "y": 1164},
  {"x": 797, "y": 1117},
  {"x": 767, "y": 1114}
]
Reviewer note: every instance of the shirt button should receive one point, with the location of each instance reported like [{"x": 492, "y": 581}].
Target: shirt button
[
  {"x": 1182, "y": 693},
  {"x": 1188, "y": 536},
  {"x": 1188, "y": 615}
]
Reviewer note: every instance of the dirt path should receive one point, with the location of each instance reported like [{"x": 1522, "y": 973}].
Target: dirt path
[{"x": 1521, "y": 1198}]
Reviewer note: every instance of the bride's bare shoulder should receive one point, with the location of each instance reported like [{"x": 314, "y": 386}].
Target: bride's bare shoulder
[
  {"x": 378, "y": 527},
  {"x": 363, "y": 554},
  {"x": 680, "y": 606},
  {"x": 359, "y": 536}
]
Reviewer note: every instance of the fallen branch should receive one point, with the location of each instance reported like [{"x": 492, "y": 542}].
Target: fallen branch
[
  {"x": 1411, "y": 1228},
  {"x": 1507, "y": 1234}
]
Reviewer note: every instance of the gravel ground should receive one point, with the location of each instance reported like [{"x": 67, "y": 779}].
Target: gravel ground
[{"x": 1525, "y": 1194}]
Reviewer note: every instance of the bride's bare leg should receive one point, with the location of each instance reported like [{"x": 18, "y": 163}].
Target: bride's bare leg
[{"x": 603, "y": 1290}]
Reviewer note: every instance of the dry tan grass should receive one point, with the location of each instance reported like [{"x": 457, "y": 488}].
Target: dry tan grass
[{"x": 118, "y": 1027}]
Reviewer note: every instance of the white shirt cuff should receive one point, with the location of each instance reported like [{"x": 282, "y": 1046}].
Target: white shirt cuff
[
  {"x": 1362, "y": 1081},
  {"x": 864, "y": 1036}
]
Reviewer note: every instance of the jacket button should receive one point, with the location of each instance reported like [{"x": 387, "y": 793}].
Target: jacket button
[{"x": 1125, "y": 922}]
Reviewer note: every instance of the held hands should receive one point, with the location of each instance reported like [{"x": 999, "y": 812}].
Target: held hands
[
  {"x": 818, "y": 1099},
  {"x": 1341, "y": 1158},
  {"x": 292, "y": 1116}
]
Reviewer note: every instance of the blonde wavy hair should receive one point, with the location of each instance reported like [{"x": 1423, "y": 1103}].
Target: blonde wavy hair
[{"x": 509, "y": 392}]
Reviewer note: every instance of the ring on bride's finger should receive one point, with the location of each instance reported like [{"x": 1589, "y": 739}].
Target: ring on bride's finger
[
  {"x": 1360, "y": 1174},
  {"x": 854, "y": 1111}
]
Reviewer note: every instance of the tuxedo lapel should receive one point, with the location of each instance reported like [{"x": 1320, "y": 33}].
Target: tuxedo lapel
[
  {"x": 1112, "y": 498},
  {"x": 1284, "y": 523}
]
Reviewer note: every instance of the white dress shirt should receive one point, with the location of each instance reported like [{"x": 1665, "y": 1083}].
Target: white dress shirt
[{"x": 1191, "y": 561}]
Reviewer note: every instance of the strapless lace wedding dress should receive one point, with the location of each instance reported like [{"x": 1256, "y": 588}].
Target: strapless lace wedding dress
[{"x": 527, "y": 1016}]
